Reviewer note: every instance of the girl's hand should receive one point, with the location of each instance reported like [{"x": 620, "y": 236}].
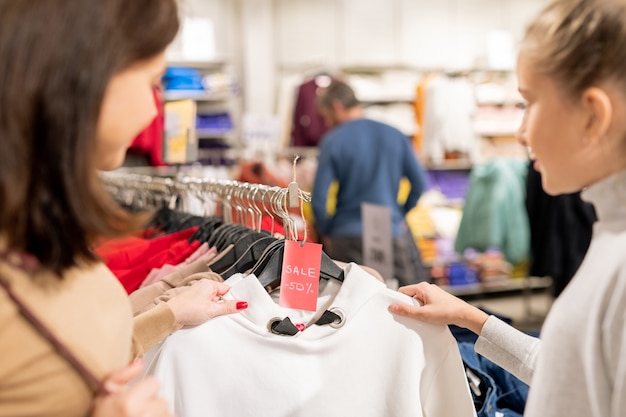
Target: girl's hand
[{"x": 439, "y": 307}]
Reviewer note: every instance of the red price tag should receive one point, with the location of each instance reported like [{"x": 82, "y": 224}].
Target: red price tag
[{"x": 300, "y": 275}]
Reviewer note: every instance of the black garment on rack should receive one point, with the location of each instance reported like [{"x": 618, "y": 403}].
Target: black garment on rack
[
  {"x": 166, "y": 221},
  {"x": 560, "y": 231}
]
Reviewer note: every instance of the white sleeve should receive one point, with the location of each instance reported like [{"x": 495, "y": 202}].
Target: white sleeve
[
  {"x": 509, "y": 348},
  {"x": 448, "y": 392}
]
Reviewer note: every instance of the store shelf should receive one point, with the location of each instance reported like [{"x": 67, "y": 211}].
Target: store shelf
[
  {"x": 450, "y": 165},
  {"x": 205, "y": 65},
  {"x": 376, "y": 68},
  {"x": 197, "y": 95},
  {"x": 214, "y": 133},
  {"x": 499, "y": 287},
  {"x": 221, "y": 95},
  {"x": 369, "y": 101}
]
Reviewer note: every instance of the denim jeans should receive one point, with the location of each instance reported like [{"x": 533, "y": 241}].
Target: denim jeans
[{"x": 496, "y": 392}]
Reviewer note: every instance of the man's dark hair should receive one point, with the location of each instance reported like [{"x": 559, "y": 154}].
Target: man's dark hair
[{"x": 337, "y": 91}]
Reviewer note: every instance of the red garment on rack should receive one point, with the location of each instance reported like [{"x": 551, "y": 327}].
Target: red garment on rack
[
  {"x": 126, "y": 252},
  {"x": 266, "y": 224},
  {"x": 131, "y": 259},
  {"x": 150, "y": 141},
  {"x": 131, "y": 279}
]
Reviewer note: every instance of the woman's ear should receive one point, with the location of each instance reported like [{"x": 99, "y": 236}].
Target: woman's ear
[{"x": 598, "y": 112}]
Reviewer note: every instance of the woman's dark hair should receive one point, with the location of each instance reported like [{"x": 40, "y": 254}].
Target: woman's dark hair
[{"x": 56, "y": 59}]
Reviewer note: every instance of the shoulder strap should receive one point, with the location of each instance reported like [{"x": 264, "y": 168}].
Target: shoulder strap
[{"x": 92, "y": 381}]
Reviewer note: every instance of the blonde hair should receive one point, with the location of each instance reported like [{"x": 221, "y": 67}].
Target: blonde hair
[{"x": 579, "y": 43}]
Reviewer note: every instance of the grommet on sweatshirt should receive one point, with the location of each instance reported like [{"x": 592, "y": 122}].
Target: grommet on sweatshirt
[
  {"x": 283, "y": 327},
  {"x": 271, "y": 324},
  {"x": 334, "y": 317},
  {"x": 341, "y": 320}
]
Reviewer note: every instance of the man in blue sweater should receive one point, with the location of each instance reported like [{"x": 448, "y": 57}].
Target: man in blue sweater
[{"x": 368, "y": 160}]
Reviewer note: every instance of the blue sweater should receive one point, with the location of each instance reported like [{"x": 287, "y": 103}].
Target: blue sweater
[{"x": 368, "y": 159}]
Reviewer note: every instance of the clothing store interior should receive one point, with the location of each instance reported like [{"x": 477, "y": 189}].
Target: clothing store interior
[{"x": 420, "y": 179}]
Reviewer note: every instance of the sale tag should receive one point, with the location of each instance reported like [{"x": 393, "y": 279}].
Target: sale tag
[{"x": 300, "y": 275}]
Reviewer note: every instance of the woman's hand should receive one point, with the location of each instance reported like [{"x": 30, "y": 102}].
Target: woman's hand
[
  {"x": 201, "y": 301},
  {"x": 439, "y": 307},
  {"x": 139, "y": 400}
]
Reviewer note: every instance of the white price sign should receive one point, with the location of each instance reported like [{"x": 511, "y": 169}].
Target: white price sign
[{"x": 377, "y": 239}]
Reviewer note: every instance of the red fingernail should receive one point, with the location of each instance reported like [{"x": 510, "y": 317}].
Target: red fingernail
[{"x": 241, "y": 305}]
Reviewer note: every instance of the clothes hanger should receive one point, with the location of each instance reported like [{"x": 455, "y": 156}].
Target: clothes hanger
[
  {"x": 217, "y": 238},
  {"x": 255, "y": 249},
  {"x": 211, "y": 221},
  {"x": 240, "y": 248},
  {"x": 206, "y": 229},
  {"x": 226, "y": 234},
  {"x": 163, "y": 218},
  {"x": 168, "y": 221},
  {"x": 268, "y": 269},
  {"x": 250, "y": 257},
  {"x": 243, "y": 201},
  {"x": 329, "y": 269},
  {"x": 189, "y": 221}
]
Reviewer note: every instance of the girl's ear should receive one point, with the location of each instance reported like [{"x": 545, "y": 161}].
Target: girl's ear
[{"x": 598, "y": 113}]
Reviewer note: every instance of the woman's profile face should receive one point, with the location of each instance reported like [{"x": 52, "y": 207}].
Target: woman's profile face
[
  {"x": 127, "y": 109},
  {"x": 552, "y": 129}
]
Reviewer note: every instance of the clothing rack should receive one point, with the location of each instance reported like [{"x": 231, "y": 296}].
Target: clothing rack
[{"x": 235, "y": 201}]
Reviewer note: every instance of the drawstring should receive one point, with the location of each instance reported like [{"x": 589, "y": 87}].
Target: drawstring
[
  {"x": 286, "y": 327},
  {"x": 328, "y": 317}
]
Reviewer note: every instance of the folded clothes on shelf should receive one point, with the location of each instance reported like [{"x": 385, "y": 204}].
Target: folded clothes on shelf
[{"x": 182, "y": 78}]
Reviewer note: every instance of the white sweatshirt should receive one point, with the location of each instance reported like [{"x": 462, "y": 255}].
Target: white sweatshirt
[
  {"x": 375, "y": 364},
  {"x": 581, "y": 367}
]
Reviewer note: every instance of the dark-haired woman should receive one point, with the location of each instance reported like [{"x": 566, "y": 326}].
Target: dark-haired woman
[{"x": 76, "y": 82}]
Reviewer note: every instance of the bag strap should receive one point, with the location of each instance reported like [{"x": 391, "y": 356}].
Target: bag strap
[{"x": 94, "y": 383}]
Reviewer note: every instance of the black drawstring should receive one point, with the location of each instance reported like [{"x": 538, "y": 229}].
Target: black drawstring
[
  {"x": 286, "y": 327},
  {"x": 327, "y": 318}
]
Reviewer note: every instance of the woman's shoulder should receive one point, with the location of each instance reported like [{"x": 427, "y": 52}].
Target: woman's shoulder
[
  {"x": 87, "y": 310},
  {"x": 42, "y": 285},
  {"x": 82, "y": 293}
]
